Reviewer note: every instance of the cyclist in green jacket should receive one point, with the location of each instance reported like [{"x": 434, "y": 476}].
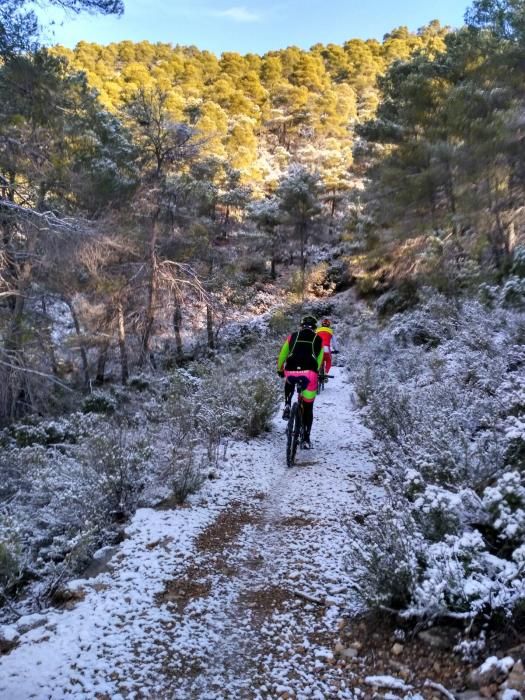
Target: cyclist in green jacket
[{"x": 300, "y": 359}]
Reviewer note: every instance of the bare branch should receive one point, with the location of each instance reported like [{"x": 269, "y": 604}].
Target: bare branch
[{"x": 45, "y": 375}]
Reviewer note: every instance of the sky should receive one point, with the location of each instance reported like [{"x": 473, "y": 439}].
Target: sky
[{"x": 253, "y": 26}]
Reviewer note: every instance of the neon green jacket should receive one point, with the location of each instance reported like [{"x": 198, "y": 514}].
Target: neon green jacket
[{"x": 302, "y": 350}]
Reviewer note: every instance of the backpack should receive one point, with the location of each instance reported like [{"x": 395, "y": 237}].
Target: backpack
[{"x": 303, "y": 353}]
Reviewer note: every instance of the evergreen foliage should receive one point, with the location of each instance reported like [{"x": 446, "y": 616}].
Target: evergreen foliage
[{"x": 450, "y": 168}]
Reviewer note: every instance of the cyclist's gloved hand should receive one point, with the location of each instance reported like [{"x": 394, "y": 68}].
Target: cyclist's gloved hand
[{"x": 280, "y": 373}]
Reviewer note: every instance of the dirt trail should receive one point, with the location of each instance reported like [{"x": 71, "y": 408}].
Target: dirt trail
[
  {"x": 263, "y": 615},
  {"x": 238, "y": 596}
]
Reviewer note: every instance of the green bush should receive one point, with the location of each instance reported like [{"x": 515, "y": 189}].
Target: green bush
[
  {"x": 281, "y": 322},
  {"x": 10, "y": 569},
  {"x": 99, "y": 402},
  {"x": 257, "y": 403},
  {"x": 518, "y": 262},
  {"x": 45, "y": 433},
  {"x": 403, "y": 297},
  {"x": 139, "y": 383}
]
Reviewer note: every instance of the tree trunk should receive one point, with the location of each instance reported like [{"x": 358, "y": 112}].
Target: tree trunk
[
  {"x": 47, "y": 344},
  {"x": 273, "y": 270},
  {"x": 499, "y": 236},
  {"x": 100, "y": 377},
  {"x": 124, "y": 364},
  {"x": 226, "y": 222},
  {"x": 333, "y": 204},
  {"x": 177, "y": 322},
  {"x": 16, "y": 389},
  {"x": 209, "y": 327},
  {"x": 82, "y": 349},
  {"x": 302, "y": 240},
  {"x": 152, "y": 295},
  {"x": 432, "y": 200},
  {"x": 449, "y": 189}
]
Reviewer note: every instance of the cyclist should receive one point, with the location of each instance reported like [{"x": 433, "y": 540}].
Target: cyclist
[
  {"x": 329, "y": 344},
  {"x": 300, "y": 358}
]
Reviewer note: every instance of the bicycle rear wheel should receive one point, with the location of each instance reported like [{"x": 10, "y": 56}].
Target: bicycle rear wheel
[
  {"x": 293, "y": 432},
  {"x": 321, "y": 379}
]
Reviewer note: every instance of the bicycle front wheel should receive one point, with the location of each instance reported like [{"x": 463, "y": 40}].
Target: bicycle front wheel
[{"x": 293, "y": 432}]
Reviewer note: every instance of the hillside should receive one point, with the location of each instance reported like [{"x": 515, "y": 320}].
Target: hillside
[{"x": 260, "y": 113}]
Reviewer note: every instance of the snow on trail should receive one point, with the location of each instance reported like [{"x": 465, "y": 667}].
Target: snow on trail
[{"x": 238, "y": 596}]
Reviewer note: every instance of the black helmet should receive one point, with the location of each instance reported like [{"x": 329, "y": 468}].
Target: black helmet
[{"x": 309, "y": 322}]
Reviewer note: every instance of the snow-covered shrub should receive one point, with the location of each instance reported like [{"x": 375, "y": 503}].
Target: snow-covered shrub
[
  {"x": 513, "y": 292},
  {"x": 515, "y": 434},
  {"x": 488, "y": 294},
  {"x": 436, "y": 511},
  {"x": 398, "y": 299},
  {"x": 99, "y": 402},
  {"x": 58, "y": 505},
  {"x": 364, "y": 383},
  {"x": 470, "y": 650},
  {"x": 413, "y": 484},
  {"x": 505, "y": 501},
  {"x": 239, "y": 398},
  {"x": 117, "y": 464},
  {"x": 518, "y": 261},
  {"x": 444, "y": 394},
  {"x": 10, "y": 565},
  {"x": 185, "y": 476},
  {"x": 281, "y": 322},
  {"x": 428, "y": 325},
  {"x": 339, "y": 276},
  {"x": 258, "y": 400},
  {"x": 139, "y": 382},
  {"x": 386, "y": 557},
  {"x": 462, "y": 576},
  {"x": 390, "y": 410},
  {"x": 245, "y": 335},
  {"x": 43, "y": 433}
]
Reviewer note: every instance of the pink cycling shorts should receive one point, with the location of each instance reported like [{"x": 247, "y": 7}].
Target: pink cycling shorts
[{"x": 310, "y": 392}]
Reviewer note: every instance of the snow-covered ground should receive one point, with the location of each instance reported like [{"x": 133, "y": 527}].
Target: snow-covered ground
[{"x": 238, "y": 595}]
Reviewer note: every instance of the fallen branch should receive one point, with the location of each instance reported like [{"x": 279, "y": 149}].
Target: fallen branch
[
  {"x": 441, "y": 689},
  {"x": 309, "y": 598}
]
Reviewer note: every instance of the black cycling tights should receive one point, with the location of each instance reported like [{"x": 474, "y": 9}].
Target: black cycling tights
[
  {"x": 308, "y": 417},
  {"x": 308, "y": 408}
]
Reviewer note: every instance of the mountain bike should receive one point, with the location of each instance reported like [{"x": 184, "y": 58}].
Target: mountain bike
[
  {"x": 322, "y": 374},
  {"x": 295, "y": 427},
  {"x": 323, "y": 377}
]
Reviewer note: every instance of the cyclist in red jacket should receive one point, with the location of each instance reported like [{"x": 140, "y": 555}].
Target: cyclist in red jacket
[
  {"x": 301, "y": 357},
  {"x": 329, "y": 345}
]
